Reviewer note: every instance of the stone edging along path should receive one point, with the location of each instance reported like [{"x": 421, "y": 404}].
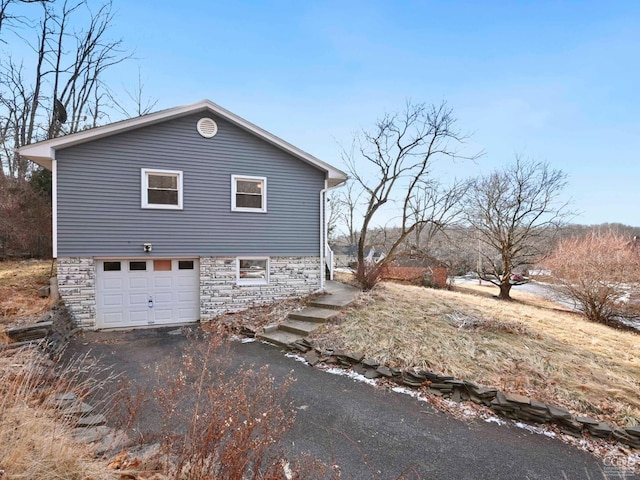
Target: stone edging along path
[{"x": 513, "y": 406}]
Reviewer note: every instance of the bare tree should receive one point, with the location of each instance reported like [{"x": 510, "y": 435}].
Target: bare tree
[
  {"x": 510, "y": 212},
  {"x": 63, "y": 90},
  {"x": 391, "y": 165},
  {"x": 441, "y": 206},
  {"x": 597, "y": 271},
  {"x": 345, "y": 204},
  {"x": 10, "y": 19},
  {"x": 142, "y": 104},
  {"x": 55, "y": 89}
]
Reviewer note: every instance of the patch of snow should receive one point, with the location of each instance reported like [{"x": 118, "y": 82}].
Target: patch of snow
[
  {"x": 538, "y": 430},
  {"x": 351, "y": 374},
  {"x": 296, "y": 357},
  {"x": 406, "y": 391},
  {"x": 495, "y": 420},
  {"x": 248, "y": 340}
]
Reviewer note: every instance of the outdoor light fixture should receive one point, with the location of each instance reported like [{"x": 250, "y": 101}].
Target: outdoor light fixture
[{"x": 147, "y": 247}]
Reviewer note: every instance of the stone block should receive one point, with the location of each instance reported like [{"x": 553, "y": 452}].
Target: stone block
[
  {"x": 92, "y": 434},
  {"x": 410, "y": 383},
  {"x": 536, "y": 404},
  {"x": 571, "y": 424},
  {"x": 601, "y": 430},
  {"x": 61, "y": 400},
  {"x": 441, "y": 386},
  {"x": 532, "y": 417},
  {"x": 587, "y": 420},
  {"x": 455, "y": 383},
  {"x": 515, "y": 398},
  {"x": 559, "y": 413},
  {"x": 634, "y": 431},
  {"x": 483, "y": 392},
  {"x": 312, "y": 357},
  {"x": 418, "y": 376},
  {"x": 370, "y": 362},
  {"x": 360, "y": 368},
  {"x": 385, "y": 371},
  {"x": 351, "y": 357},
  {"x": 370, "y": 373},
  {"x": 623, "y": 437},
  {"x": 91, "y": 420}
]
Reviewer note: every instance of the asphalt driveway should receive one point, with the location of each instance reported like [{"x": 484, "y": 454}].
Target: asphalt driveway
[{"x": 369, "y": 432}]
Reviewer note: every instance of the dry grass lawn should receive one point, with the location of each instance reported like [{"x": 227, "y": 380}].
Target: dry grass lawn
[
  {"x": 35, "y": 443},
  {"x": 19, "y": 283},
  {"x": 528, "y": 346}
]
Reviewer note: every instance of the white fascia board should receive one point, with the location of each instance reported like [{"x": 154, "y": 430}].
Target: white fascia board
[{"x": 43, "y": 152}]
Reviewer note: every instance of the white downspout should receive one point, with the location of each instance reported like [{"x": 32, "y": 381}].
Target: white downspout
[{"x": 323, "y": 268}]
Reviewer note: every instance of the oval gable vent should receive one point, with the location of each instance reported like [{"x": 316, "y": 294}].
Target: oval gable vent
[{"x": 207, "y": 127}]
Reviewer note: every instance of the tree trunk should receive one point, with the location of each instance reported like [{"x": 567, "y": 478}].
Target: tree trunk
[{"x": 505, "y": 289}]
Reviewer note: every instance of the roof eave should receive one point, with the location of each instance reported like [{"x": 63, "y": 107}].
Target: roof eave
[{"x": 44, "y": 152}]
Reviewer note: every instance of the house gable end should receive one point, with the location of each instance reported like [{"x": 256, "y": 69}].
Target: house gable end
[
  {"x": 99, "y": 194},
  {"x": 44, "y": 152}
]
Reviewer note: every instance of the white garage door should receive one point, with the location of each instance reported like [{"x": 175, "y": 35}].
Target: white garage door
[{"x": 132, "y": 293}]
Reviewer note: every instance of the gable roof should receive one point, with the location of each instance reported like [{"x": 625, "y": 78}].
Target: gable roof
[{"x": 44, "y": 152}]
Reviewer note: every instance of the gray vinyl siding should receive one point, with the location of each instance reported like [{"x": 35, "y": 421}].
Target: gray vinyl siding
[{"x": 99, "y": 204}]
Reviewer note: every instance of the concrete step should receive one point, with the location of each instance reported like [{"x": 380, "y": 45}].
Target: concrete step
[
  {"x": 333, "y": 302},
  {"x": 313, "y": 314},
  {"x": 300, "y": 327},
  {"x": 279, "y": 337}
]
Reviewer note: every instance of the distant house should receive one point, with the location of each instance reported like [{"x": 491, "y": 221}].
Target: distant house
[
  {"x": 417, "y": 268},
  {"x": 181, "y": 215}
]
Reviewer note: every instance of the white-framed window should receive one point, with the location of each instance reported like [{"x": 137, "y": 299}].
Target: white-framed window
[
  {"x": 161, "y": 189},
  {"x": 248, "y": 194},
  {"x": 252, "y": 270}
]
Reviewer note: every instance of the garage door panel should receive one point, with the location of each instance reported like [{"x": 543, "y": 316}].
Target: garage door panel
[
  {"x": 113, "y": 300},
  {"x": 186, "y": 297},
  {"x": 163, "y": 315},
  {"x": 184, "y": 314},
  {"x": 162, "y": 282},
  {"x": 187, "y": 281},
  {"x": 112, "y": 283},
  {"x": 161, "y": 299},
  {"x": 123, "y": 296},
  {"x": 138, "y": 299},
  {"x": 136, "y": 281},
  {"x": 113, "y": 319}
]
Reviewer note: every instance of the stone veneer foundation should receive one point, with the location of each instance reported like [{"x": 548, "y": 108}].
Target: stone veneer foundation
[
  {"x": 77, "y": 287},
  {"x": 289, "y": 277}
]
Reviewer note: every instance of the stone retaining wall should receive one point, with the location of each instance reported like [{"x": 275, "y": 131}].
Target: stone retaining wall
[
  {"x": 516, "y": 407},
  {"x": 288, "y": 277}
]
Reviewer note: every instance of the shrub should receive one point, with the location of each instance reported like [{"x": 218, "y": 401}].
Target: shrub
[
  {"x": 227, "y": 426},
  {"x": 597, "y": 272}
]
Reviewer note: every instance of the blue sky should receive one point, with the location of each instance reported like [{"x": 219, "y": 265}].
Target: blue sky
[{"x": 555, "y": 81}]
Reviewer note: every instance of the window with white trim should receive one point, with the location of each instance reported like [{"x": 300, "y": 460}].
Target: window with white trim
[
  {"x": 252, "y": 270},
  {"x": 248, "y": 194},
  {"x": 161, "y": 189}
]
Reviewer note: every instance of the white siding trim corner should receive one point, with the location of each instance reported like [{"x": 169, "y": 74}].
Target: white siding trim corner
[{"x": 54, "y": 208}]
